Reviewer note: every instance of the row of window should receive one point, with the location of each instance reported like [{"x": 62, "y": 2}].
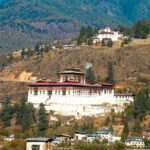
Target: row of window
[{"x": 64, "y": 92}]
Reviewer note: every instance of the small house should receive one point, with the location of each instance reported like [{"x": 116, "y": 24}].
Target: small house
[
  {"x": 135, "y": 142},
  {"x": 105, "y": 133},
  {"x": 64, "y": 137},
  {"x": 80, "y": 136},
  {"x": 10, "y": 138},
  {"x": 41, "y": 143}
]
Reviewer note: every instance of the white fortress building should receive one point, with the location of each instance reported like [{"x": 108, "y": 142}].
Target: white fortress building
[
  {"x": 71, "y": 95},
  {"x": 106, "y": 34}
]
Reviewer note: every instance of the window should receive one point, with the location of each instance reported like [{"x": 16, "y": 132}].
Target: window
[
  {"x": 68, "y": 92},
  {"x": 63, "y": 92},
  {"x": 35, "y": 147},
  {"x": 35, "y": 92},
  {"x": 49, "y": 92}
]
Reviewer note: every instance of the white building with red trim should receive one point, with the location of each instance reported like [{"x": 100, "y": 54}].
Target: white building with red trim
[
  {"x": 72, "y": 96},
  {"x": 107, "y": 34}
]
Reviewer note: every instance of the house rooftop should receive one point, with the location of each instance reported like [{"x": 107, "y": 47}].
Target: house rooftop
[
  {"x": 103, "y": 130},
  {"x": 38, "y": 139},
  {"x": 134, "y": 138},
  {"x": 72, "y": 71}
]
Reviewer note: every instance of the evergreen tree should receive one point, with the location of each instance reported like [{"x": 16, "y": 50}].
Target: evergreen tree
[
  {"x": 110, "y": 43},
  {"x": 141, "y": 104},
  {"x": 42, "y": 119},
  {"x": 113, "y": 119},
  {"x": 6, "y": 114},
  {"x": 136, "y": 129},
  {"x": 25, "y": 115},
  {"x": 37, "y": 48},
  {"x": 125, "y": 131},
  {"x": 110, "y": 74},
  {"x": 141, "y": 29},
  {"x": 103, "y": 43},
  {"x": 85, "y": 35},
  {"x": 111, "y": 128},
  {"x": 90, "y": 77},
  {"x": 23, "y": 52},
  {"x": 107, "y": 121}
]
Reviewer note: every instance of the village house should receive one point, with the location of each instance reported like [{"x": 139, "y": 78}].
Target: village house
[
  {"x": 135, "y": 142},
  {"x": 68, "y": 46},
  {"x": 107, "y": 34},
  {"x": 80, "y": 136},
  {"x": 104, "y": 133},
  {"x": 101, "y": 134},
  {"x": 41, "y": 143},
  {"x": 63, "y": 138},
  {"x": 10, "y": 138}
]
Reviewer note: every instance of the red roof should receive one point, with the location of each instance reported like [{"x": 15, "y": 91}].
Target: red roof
[
  {"x": 104, "y": 32},
  {"x": 123, "y": 94},
  {"x": 49, "y": 83},
  {"x": 105, "y": 84}
]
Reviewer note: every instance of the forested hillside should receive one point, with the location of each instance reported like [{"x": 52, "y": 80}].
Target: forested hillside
[{"x": 23, "y": 23}]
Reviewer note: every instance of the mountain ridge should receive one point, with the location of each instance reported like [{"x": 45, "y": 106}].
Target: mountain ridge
[{"x": 23, "y": 23}]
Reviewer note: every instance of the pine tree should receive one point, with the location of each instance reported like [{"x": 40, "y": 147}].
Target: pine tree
[
  {"x": 90, "y": 77},
  {"x": 42, "y": 119},
  {"x": 6, "y": 114},
  {"x": 136, "y": 129},
  {"x": 111, "y": 128},
  {"x": 141, "y": 104},
  {"x": 25, "y": 115},
  {"x": 23, "y": 52},
  {"x": 103, "y": 43},
  {"x": 107, "y": 121},
  {"x": 125, "y": 131},
  {"x": 110, "y": 43},
  {"x": 37, "y": 48},
  {"x": 110, "y": 74},
  {"x": 113, "y": 119},
  {"x": 85, "y": 35}
]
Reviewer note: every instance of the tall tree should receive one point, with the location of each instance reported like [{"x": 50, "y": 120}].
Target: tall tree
[
  {"x": 107, "y": 121},
  {"x": 110, "y": 74},
  {"x": 90, "y": 77},
  {"x": 85, "y": 35},
  {"x": 141, "y": 104},
  {"x": 6, "y": 114},
  {"x": 110, "y": 43},
  {"x": 137, "y": 129},
  {"x": 125, "y": 131},
  {"x": 42, "y": 119}
]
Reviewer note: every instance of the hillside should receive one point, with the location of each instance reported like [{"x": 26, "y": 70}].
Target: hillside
[
  {"x": 131, "y": 65},
  {"x": 23, "y": 23}
]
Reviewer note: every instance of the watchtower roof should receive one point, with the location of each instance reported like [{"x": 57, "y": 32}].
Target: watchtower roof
[{"x": 72, "y": 71}]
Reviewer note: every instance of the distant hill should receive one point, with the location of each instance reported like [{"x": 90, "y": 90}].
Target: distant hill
[{"x": 24, "y": 22}]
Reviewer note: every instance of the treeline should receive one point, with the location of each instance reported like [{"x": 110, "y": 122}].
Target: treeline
[
  {"x": 135, "y": 114},
  {"x": 92, "y": 79},
  {"x": 23, "y": 118},
  {"x": 97, "y": 145},
  {"x": 85, "y": 35},
  {"x": 140, "y": 29}
]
